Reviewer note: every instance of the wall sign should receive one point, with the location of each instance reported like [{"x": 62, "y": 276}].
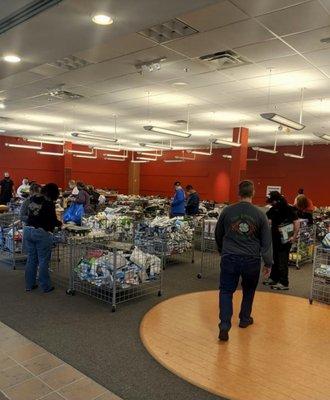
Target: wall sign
[{"x": 273, "y": 189}]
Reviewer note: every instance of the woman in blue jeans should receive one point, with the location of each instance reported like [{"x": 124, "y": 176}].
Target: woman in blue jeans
[{"x": 38, "y": 237}]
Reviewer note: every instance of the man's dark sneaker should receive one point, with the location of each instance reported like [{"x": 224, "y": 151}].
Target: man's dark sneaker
[
  {"x": 32, "y": 288},
  {"x": 245, "y": 324},
  {"x": 223, "y": 335},
  {"x": 49, "y": 290}
]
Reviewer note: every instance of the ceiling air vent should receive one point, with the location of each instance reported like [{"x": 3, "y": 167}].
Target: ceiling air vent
[
  {"x": 225, "y": 59},
  {"x": 168, "y": 31},
  {"x": 61, "y": 94},
  {"x": 180, "y": 122},
  {"x": 24, "y": 13},
  {"x": 71, "y": 63}
]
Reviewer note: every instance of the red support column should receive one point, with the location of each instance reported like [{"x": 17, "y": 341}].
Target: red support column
[
  {"x": 67, "y": 164},
  {"x": 238, "y": 161}
]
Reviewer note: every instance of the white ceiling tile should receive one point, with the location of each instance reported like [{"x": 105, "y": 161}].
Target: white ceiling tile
[
  {"x": 227, "y": 37},
  {"x": 259, "y": 7},
  {"x": 309, "y": 41},
  {"x": 265, "y": 50},
  {"x": 16, "y": 80},
  {"x": 116, "y": 48},
  {"x": 300, "y": 18},
  {"x": 320, "y": 57},
  {"x": 245, "y": 71},
  {"x": 285, "y": 64},
  {"x": 48, "y": 70},
  {"x": 198, "y": 80},
  {"x": 208, "y": 18}
]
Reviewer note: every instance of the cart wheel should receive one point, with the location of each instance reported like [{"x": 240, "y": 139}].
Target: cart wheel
[
  {"x": 298, "y": 268},
  {"x": 310, "y": 301},
  {"x": 159, "y": 294},
  {"x": 71, "y": 292},
  {"x": 193, "y": 261},
  {"x": 199, "y": 276},
  {"x": 113, "y": 309}
]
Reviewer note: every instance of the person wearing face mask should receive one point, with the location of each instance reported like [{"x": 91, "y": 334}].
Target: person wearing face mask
[
  {"x": 6, "y": 189},
  {"x": 24, "y": 189}
]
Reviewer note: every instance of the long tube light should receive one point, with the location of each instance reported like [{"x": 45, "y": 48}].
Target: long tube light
[
  {"x": 227, "y": 143},
  {"x": 145, "y": 153},
  {"x": 166, "y": 131},
  {"x": 227, "y": 156},
  {"x": 293, "y": 155},
  {"x": 147, "y": 158},
  {"x": 85, "y": 156},
  {"x": 114, "y": 159},
  {"x": 279, "y": 119},
  {"x": 46, "y": 142},
  {"x": 93, "y": 137},
  {"x": 204, "y": 153},
  {"x": 264, "y": 150},
  {"x": 157, "y": 146},
  {"x": 105, "y": 148},
  {"x": 139, "y": 161},
  {"x": 82, "y": 152},
  {"x": 116, "y": 155},
  {"x": 50, "y": 153},
  {"x": 23, "y": 146},
  {"x": 325, "y": 137},
  {"x": 173, "y": 161}
]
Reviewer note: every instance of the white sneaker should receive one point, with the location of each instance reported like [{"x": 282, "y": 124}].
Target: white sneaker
[
  {"x": 279, "y": 286},
  {"x": 268, "y": 282}
]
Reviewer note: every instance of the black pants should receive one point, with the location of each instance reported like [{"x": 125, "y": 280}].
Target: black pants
[
  {"x": 280, "y": 269},
  {"x": 232, "y": 268}
]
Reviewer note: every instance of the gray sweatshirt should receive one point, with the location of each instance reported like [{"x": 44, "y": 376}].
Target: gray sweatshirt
[{"x": 244, "y": 230}]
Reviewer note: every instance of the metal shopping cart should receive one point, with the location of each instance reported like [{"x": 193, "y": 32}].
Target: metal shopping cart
[{"x": 320, "y": 289}]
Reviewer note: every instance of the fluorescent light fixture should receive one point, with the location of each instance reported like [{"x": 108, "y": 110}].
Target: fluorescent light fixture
[
  {"x": 294, "y": 156},
  {"x": 167, "y": 131},
  {"x": 105, "y": 148},
  {"x": 50, "y": 153},
  {"x": 46, "y": 142},
  {"x": 145, "y": 153},
  {"x": 325, "y": 137},
  {"x": 12, "y": 58},
  {"x": 185, "y": 158},
  {"x": 2, "y": 105},
  {"x": 173, "y": 161},
  {"x": 227, "y": 156},
  {"x": 147, "y": 158},
  {"x": 93, "y": 137},
  {"x": 85, "y": 156},
  {"x": 23, "y": 146},
  {"x": 283, "y": 121},
  {"x": 102, "y": 19},
  {"x": 264, "y": 150},
  {"x": 114, "y": 159},
  {"x": 116, "y": 155},
  {"x": 2, "y": 131},
  {"x": 227, "y": 143},
  {"x": 138, "y": 161},
  {"x": 179, "y": 83},
  {"x": 82, "y": 152},
  {"x": 157, "y": 146}
]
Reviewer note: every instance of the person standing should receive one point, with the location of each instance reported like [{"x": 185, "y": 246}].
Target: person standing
[
  {"x": 305, "y": 208},
  {"x": 24, "y": 189},
  {"x": 192, "y": 206},
  {"x": 35, "y": 189},
  {"x": 243, "y": 236},
  {"x": 38, "y": 237},
  {"x": 282, "y": 217},
  {"x": 83, "y": 197},
  {"x": 178, "y": 202},
  {"x": 6, "y": 189}
]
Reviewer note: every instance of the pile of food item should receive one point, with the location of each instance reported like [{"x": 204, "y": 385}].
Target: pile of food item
[
  {"x": 165, "y": 235},
  {"x": 102, "y": 268}
]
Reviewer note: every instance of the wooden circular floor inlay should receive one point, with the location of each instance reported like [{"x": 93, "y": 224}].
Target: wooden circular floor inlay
[{"x": 285, "y": 355}]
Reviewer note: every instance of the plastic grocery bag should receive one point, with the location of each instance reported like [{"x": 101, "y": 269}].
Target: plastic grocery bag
[
  {"x": 74, "y": 214},
  {"x": 326, "y": 241}
]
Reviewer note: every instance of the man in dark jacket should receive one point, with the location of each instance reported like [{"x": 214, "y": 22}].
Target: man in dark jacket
[
  {"x": 192, "y": 206},
  {"x": 6, "y": 189},
  {"x": 243, "y": 236}
]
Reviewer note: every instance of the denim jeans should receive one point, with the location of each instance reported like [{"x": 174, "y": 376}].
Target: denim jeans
[
  {"x": 232, "y": 268},
  {"x": 39, "y": 245}
]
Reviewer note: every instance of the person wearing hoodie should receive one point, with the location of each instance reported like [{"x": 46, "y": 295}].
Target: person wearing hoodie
[
  {"x": 192, "y": 207},
  {"x": 178, "y": 201},
  {"x": 6, "y": 189}
]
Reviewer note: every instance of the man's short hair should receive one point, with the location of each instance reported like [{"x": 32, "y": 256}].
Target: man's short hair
[
  {"x": 177, "y": 183},
  {"x": 246, "y": 189},
  {"x": 189, "y": 187}
]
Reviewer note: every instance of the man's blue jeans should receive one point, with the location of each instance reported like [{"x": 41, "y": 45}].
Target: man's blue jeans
[
  {"x": 232, "y": 268},
  {"x": 38, "y": 244}
]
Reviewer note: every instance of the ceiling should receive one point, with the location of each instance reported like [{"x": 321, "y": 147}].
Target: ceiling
[{"x": 278, "y": 35}]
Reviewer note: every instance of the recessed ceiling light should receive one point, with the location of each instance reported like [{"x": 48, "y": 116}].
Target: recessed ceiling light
[
  {"x": 12, "y": 58},
  {"x": 102, "y": 19},
  {"x": 2, "y": 105},
  {"x": 180, "y": 84}
]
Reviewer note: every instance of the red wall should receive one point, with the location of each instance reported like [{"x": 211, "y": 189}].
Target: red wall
[
  {"x": 311, "y": 173},
  {"x": 27, "y": 163},
  {"x": 211, "y": 175}
]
